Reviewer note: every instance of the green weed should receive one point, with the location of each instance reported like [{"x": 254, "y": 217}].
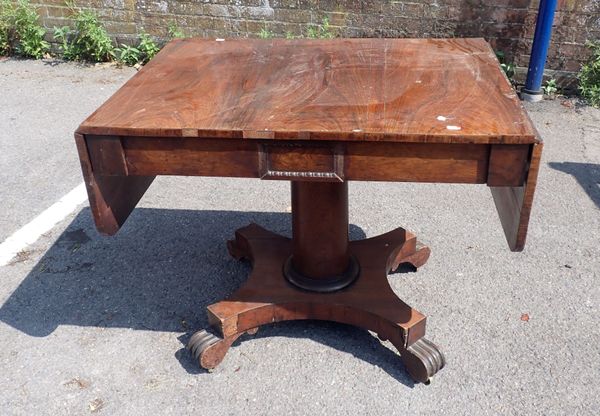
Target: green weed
[
  {"x": 175, "y": 31},
  {"x": 20, "y": 32},
  {"x": 508, "y": 68},
  {"x": 140, "y": 54},
  {"x": 550, "y": 89},
  {"x": 265, "y": 33},
  {"x": 147, "y": 47},
  {"x": 129, "y": 55},
  {"x": 88, "y": 41},
  {"x": 589, "y": 76},
  {"x": 322, "y": 31}
]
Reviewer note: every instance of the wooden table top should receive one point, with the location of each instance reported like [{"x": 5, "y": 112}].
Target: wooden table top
[{"x": 402, "y": 90}]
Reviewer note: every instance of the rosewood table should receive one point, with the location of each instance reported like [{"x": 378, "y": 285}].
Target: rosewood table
[{"x": 318, "y": 113}]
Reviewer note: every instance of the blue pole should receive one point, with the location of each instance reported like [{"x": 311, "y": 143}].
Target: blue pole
[{"x": 539, "y": 50}]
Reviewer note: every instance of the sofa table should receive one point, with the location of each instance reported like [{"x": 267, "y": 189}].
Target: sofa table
[{"x": 317, "y": 113}]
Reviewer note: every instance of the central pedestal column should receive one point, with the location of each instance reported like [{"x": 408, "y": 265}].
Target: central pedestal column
[{"x": 320, "y": 259}]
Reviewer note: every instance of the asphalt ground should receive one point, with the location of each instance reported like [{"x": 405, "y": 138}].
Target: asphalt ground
[{"x": 97, "y": 325}]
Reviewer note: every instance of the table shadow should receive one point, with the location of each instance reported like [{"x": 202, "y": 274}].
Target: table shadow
[
  {"x": 159, "y": 272},
  {"x": 586, "y": 174}
]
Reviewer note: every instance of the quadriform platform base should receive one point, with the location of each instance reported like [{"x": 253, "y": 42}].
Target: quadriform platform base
[{"x": 358, "y": 294}]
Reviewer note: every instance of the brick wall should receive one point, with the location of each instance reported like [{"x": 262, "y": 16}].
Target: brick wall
[{"x": 507, "y": 24}]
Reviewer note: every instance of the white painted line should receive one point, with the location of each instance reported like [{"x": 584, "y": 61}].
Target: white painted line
[{"x": 41, "y": 224}]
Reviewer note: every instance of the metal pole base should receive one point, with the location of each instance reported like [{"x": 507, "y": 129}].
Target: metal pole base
[{"x": 531, "y": 96}]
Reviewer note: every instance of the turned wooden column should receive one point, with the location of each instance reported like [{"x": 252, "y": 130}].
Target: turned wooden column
[{"x": 320, "y": 260}]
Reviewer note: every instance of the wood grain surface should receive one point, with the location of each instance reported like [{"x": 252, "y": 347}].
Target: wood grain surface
[
  {"x": 400, "y": 162},
  {"x": 112, "y": 198},
  {"x": 406, "y": 90},
  {"x": 514, "y": 203}
]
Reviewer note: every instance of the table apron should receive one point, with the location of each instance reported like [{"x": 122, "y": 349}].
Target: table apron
[{"x": 497, "y": 165}]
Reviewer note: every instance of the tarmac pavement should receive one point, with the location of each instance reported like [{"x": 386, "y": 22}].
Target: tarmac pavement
[{"x": 98, "y": 325}]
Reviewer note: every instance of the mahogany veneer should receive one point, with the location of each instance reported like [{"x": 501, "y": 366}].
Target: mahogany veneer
[{"x": 318, "y": 113}]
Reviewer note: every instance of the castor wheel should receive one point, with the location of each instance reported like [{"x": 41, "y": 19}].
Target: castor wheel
[
  {"x": 209, "y": 350},
  {"x": 423, "y": 359}
]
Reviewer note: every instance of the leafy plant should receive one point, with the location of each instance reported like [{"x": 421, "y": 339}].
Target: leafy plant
[
  {"x": 589, "y": 76},
  {"x": 175, "y": 31},
  {"x": 129, "y": 55},
  {"x": 550, "y": 88},
  {"x": 4, "y": 33},
  {"x": 89, "y": 41},
  {"x": 322, "y": 31},
  {"x": 141, "y": 54},
  {"x": 289, "y": 35},
  {"x": 312, "y": 32},
  {"x": 265, "y": 33},
  {"x": 325, "y": 30},
  {"x": 508, "y": 68},
  {"x": 19, "y": 30},
  {"x": 61, "y": 34},
  {"x": 147, "y": 47}
]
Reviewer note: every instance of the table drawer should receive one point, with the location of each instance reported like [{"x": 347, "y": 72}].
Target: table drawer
[{"x": 313, "y": 162}]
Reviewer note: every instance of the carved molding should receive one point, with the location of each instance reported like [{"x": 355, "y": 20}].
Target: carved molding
[{"x": 266, "y": 171}]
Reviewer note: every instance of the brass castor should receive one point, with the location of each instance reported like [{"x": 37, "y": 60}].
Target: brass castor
[
  {"x": 422, "y": 360},
  {"x": 209, "y": 349}
]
